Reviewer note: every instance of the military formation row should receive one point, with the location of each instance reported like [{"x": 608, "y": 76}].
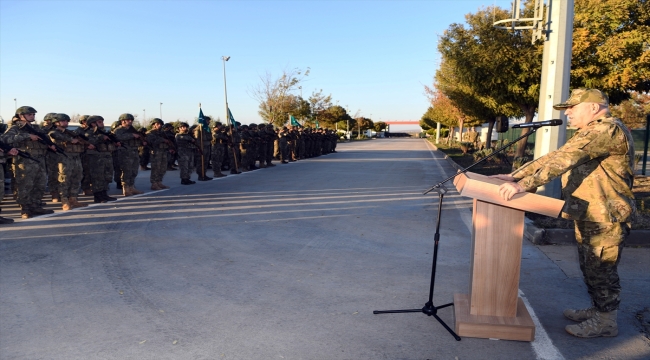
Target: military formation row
[{"x": 90, "y": 157}]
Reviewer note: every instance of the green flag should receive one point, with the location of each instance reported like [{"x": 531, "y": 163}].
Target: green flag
[
  {"x": 232, "y": 119},
  {"x": 202, "y": 121},
  {"x": 294, "y": 122}
]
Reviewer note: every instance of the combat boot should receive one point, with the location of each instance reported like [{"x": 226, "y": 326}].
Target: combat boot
[
  {"x": 269, "y": 164},
  {"x": 601, "y": 324},
  {"x": 56, "y": 197},
  {"x": 186, "y": 182},
  {"x": 26, "y": 212},
  {"x": 38, "y": 210},
  {"x": 98, "y": 197},
  {"x": 235, "y": 172},
  {"x": 5, "y": 221},
  {"x": 75, "y": 203},
  {"x": 88, "y": 192},
  {"x": 219, "y": 174},
  {"x": 65, "y": 204},
  {"x": 154, "y": 186},
  {"x": 144, "y": 168},
  {"x": 136, "y": 191},
  {"x": 162, "y": 186},
  {"x": 580, "y": 315},
  {"x": 127, "y": 191},
  {"x": 104, "y": 194}
]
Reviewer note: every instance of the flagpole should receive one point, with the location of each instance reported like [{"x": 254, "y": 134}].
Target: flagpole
[
  {"x": 231, "y": 127},
  {"x": 201, "y": 145}
]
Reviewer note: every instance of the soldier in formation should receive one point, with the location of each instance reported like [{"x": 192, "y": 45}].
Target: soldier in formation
[
  {"x": 187, "y": 148},
  {"x": 128, "y": 156},
  {"x": 160, "y": 147},
  {"x": 91, "y": 158},
  {"x": 69, "y": 171}
]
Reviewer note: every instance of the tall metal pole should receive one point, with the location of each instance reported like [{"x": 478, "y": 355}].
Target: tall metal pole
[
  {"x": 554, "y": 85},
  {"x": 15, "y": 104},
  {"x": 161, "y": 110},
  {"x": 144, "y": 117}
]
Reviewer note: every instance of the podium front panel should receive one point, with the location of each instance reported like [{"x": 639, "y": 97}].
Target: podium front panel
[{"x": 497, "y": 235}]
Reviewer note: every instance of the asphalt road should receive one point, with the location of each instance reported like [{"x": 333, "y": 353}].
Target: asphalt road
[{"x": 281, "y": 263}]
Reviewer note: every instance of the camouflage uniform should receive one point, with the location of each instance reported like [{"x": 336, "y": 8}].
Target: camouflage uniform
[
  {"x": 51, "y": 161},
  {"x": 596, "y": 166},
  {"x": 234, "y": 152},
  {"x": 85, "y": 180},
  {"x": 128, "y": 155},
  {"x": 271, "y": 138},
  {"x": 186, "y": 151},
  {"x": 159, "y": 149},
  {"x": 100, "y": 160},
  {"x": 204, "y": 140},
  {"x": 30, "y": 175},
  {"x": 69, "y": 167},
  {"x": 219, "y": 143},
  {"x": 283, "y": 137}
]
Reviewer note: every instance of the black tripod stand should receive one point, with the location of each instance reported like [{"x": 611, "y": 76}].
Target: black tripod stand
[{"x": 429, "y": 309}]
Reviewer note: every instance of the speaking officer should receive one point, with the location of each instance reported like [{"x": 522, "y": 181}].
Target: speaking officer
[{"x": 597, "y": 170}]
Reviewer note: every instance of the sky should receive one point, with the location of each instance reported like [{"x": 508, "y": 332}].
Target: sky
[{"x": 111, "y": 57}]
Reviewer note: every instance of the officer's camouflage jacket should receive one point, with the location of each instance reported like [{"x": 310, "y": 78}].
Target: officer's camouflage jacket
[{"x": 597, "y": 168}]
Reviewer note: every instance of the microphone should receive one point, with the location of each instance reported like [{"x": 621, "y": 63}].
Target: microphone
[{"x": 554, "y": 122}]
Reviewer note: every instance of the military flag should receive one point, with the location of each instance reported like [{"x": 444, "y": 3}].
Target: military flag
[
  {"x": 202, "y": 120},
  {"x": 231, "y": 119},
  {"x": 293, "y": 121}
]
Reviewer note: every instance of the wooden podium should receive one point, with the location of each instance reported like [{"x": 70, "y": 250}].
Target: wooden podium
[{"x": 493, "y": 309}]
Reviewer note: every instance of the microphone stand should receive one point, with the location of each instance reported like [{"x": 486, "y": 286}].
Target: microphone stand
[{"x": 429, "y": 309}]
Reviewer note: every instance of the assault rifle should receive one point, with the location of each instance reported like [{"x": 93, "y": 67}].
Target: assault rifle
[
  {"x": 6, "y": 148},
  {"x": 111, "y": 137},
  {"x": 45, "y": 140}
]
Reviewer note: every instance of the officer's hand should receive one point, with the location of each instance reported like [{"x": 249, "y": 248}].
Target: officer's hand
[
  {"x": 509, "y": 189},
  {"x": 33, "y": 137},
  {"x": 13, "y": 152},
  {"x": 53, "y": 148},
  {"x": 91, "y": 147},
  {"x": 504, "y": 177},
  {"x": 75, "y": 141},
  {"x": 136, "y": 136}
]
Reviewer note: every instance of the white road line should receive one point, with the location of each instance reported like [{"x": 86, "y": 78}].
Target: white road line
[{"x": 542, "y": 345}]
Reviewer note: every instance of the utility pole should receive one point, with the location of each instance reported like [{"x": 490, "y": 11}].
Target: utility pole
[
  {"x": 161, "y": 111},
  {"x": 556, "y": 29}
]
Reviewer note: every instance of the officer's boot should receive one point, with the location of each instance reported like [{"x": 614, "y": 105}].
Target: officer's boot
[
  {"x": 154, "y": 186},
  {"x": 601, "y": 324},
  {"x": 580, "y": 315},
  {"x": 136, "y": 191},
  {"x": 56, "y": 197},
  {"x": 65, "y": 204},
  {"x": 219, "y": 174},
  {"x": 162, "y": 186},
  {"x": 106, "y": 197},
  {"x": 88, "y": 192},
  {"x": 5, "y": 221}
]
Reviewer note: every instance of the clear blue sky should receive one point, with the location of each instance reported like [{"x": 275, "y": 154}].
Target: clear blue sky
[{"x": 110, "y": 57}]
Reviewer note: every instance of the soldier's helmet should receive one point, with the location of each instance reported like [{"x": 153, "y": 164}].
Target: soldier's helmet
[
  {"x": 126, "y": 116},
  {"x": 60, "y": 117},
  {"x": 93, "y": 119},
  {"x": 83, "y": 119},
  {"x": 183, "y": 124},
  {"x": 157, "y": 121},
  {"x": 168, "y": 126},
  {"x": 252, "y": 126},
  {"x": 49, "y": 117},
  {"x": 25, "y": 110},
  {"x": 115, "y": 125},
  {"x": 218, "y": 124}
]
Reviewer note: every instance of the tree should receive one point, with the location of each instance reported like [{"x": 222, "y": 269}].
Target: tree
[
  {"x": 363, "y": 123},
  {"x": 633, "y": 111},
  {"x": 380, "y": 126},
  {"x": 318, "y": 103},
  {"x": 495, "y": 64},
  {"x": 445, "y": 112},
  {"x": 275, "y": 97},
  {"x": 334, "y": 115},
  {"x": 611, "y": 47}
]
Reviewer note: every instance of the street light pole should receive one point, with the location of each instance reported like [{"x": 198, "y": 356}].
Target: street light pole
[
  {"x": 15, "y": 104},
  {"x": 161, "y": 110},
  {"x": 144, "y": 117}
]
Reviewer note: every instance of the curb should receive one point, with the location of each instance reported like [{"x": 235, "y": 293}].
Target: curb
[{"x": 539, "y": 236}]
